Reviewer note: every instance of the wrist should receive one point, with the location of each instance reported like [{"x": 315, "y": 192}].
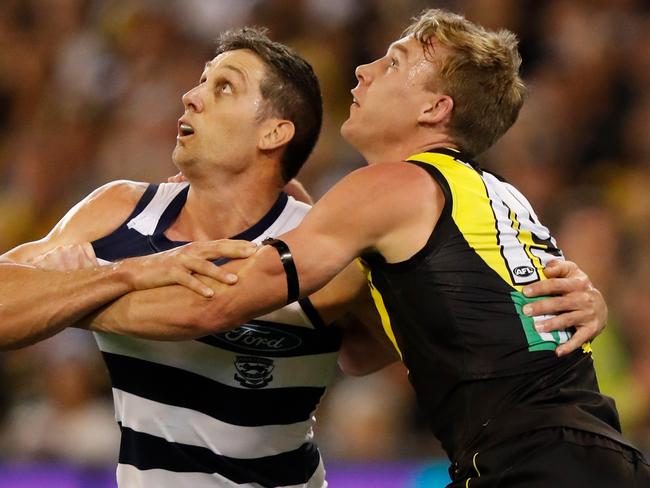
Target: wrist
[{"x": 124, "y": 273}]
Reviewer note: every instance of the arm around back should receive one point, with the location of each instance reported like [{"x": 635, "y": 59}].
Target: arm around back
[{"x": 390, "y": 208}]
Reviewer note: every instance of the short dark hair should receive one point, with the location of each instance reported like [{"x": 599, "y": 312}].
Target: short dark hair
[{"x": 290, "y": 87}]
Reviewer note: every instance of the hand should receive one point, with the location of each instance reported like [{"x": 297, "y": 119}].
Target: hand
[
  {"x": 177, "y": 178},
  {"x": 295, "y": 189},
  {"x": 67, "y": 258},
  {"x": 572, "y": 296},
  {"x": 181, "y": 265}
]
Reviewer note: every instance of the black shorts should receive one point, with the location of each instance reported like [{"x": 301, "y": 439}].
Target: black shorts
[{"x": 553, "y": 458}]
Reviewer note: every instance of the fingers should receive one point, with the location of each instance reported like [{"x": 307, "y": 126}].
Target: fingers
[
  {"x": 577, "y": 340},
  {"x": 556, "y": 286},
  {"x": 562, "y": 322},
  {"x": 67, "y": 258},
  {"x": 177, "y": 178},
  {"x": 191, "y": 282},
  {"x": 559, "y": 268},
  {"x": 559, "y": 304},
  {"x": 206, "y": 268},
  {"x": 224, "y": 248}
]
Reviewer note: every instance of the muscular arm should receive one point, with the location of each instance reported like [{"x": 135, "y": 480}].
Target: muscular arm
[
  {"x": 35, "y": 303},
  {"x": 363, "y": 212}
]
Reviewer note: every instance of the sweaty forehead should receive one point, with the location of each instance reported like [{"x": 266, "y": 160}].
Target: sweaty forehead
[
  {"x": 415, "y": 51},
  {"x": 241, "y": 62}
]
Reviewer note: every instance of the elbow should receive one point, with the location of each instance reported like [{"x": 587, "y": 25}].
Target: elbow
[{"x": 353, "y": 368}]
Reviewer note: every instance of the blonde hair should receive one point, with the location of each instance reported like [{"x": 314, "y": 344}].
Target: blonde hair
[{"x": 480, "y": 73}]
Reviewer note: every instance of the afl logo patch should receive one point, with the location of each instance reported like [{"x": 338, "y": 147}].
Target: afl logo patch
[
  {"x": 253, "y": 372},
  {"x": 523, "y": 271},
  {"x": 260, "y": 339}
]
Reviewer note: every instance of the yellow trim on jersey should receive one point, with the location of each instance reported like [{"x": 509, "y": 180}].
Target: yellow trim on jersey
[
  {"x": 471, "y": 210},
  {"x": 381, "y": 308},
  {"x": 475, "y": 469},
  {"x": 526, "y": 238}
]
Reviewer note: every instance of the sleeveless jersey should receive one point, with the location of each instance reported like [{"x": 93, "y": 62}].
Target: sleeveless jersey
[
  {"x": 230, "y": 409},
  {"x": 454, "y": 313}
]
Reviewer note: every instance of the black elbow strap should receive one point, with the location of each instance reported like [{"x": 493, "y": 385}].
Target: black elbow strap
[{"x": 293, "y": 284}]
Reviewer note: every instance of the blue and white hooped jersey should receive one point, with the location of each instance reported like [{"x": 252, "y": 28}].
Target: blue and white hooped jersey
[{"x": 233, "y": 409}]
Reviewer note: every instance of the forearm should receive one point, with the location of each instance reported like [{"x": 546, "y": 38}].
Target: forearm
[
  {"x": 170, "y": 313},
  {"x": 36, "y": 304}
]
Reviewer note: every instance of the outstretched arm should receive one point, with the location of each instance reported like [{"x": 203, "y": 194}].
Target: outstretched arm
[
  {"x": 368, "y": 210},
  {"x": 355, "y": 216},
  {"x": 37, "y": 303}
]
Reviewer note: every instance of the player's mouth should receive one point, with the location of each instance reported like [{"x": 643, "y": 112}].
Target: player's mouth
[
  {"x": 184, "y": 129},
  {"x": 355, "y": 102}
]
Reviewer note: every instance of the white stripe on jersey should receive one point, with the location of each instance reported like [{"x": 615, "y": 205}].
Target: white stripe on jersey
[
  {"x": 129, "y": 476},
  {"x": 186, "y": 426},
  {"x": 291, "y": 314},
  {"x": 219, "y": 364},
  {"x": 290, "y": 218},
  {"x": 190, "y": 427},
  {"x": 145, "y": 222}
]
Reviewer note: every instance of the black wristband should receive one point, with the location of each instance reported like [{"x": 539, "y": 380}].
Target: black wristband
[{"x": 293, "y": 284}]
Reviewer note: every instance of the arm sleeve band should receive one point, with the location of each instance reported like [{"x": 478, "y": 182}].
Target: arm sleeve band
[{"x": 293, "y": 284}]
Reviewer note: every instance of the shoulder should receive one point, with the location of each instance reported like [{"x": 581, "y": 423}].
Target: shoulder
[
  {"x": 119, "y": 192},
  {"x": 393, "y": 190},
  {"x": 96, "y": 216},
  {"x": 102, "y": 211},
  {"x": 391, "y": 186}
]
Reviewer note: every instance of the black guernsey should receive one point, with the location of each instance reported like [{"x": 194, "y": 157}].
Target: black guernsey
[{"x": 453, "y": 311}]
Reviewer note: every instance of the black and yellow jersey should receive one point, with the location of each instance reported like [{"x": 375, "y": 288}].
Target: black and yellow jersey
[{"x": 454, "y": 313}]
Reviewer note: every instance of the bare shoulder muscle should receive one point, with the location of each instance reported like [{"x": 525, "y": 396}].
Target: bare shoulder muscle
[
  {"x": 96, "y": 216},
  {"x": 391, "y": 207}
]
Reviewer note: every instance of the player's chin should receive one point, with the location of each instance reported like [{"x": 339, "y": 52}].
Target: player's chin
[
  {"x": 180, "y": 156},
  {"x": 347, "y": 129}
]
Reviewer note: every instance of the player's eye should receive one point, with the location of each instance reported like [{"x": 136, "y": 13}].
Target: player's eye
[
  {"x": 393, "y": 63},
  {"x": 225, "y": 87}
]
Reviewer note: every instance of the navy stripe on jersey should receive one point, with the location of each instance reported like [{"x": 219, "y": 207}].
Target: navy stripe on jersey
[
  {"x": 283, "y": 340},
  {"x": 245, "y": 407},
  {"x": 124, "y": 241},
  {"x": 171, "y": 212},
  {"x": 160, "y": 242},
  {"x": 145, "y": 451}
]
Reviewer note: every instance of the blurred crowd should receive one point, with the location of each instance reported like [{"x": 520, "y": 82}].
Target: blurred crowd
[{"x": 90, "y": 92}]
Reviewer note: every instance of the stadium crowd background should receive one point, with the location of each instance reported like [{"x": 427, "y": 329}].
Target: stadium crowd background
[{"x": 90, "y": 92}]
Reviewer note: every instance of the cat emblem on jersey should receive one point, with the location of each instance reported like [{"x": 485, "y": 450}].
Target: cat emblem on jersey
[{"x": 253, "y": 371}]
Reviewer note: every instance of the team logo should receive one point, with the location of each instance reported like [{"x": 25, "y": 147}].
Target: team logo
[
  {"x": 261, "y": 339},
  {"x": 523, "y": 271},
  {"x": 254, "y": 372}
]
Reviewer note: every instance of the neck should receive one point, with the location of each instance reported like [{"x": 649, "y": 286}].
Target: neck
[
  {"x": 403, "y": 150},
  {"x": 221, "y": 207}
]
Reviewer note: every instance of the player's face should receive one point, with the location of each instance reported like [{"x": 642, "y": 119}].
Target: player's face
[
  {"x": 221, "y": 116},
  {"x": 389, "y": 96}
]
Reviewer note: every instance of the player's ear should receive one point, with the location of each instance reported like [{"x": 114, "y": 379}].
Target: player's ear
[
  {"x": 275, "y": 133},
  {"x": 437, "y": 110}
]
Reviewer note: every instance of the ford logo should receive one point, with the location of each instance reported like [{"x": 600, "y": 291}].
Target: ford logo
[
  {"x": 523, "y": 271},
  {"x": 260, "y": 339}
]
